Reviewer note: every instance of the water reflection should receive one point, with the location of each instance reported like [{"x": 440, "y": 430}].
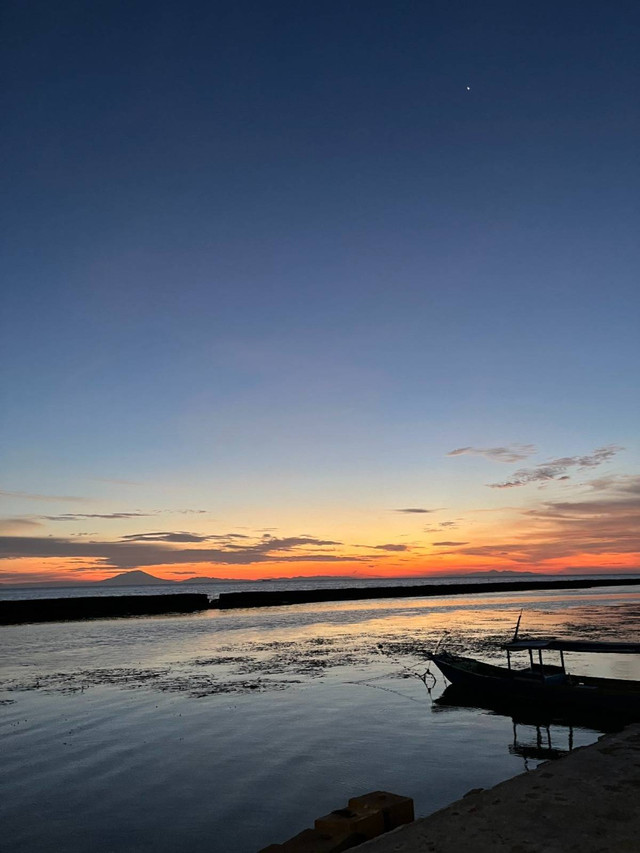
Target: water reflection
[
  {"x": 540, "y": 732},
  {"x": 243, "y": 726},
  {"x": 543, "y": 748}
]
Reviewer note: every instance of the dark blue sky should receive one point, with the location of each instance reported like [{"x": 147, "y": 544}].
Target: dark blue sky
[{"x": 250, "y": 238}]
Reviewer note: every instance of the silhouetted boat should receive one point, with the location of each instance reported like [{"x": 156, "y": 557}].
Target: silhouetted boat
[
  {"x": 545, "y": 684},
  {"x": 524, "y": 712}
]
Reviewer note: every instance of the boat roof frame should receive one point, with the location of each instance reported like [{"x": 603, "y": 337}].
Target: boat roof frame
[{"x": 552, "y": 644}]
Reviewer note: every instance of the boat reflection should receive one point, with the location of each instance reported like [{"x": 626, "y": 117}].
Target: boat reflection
[
  {"x": 542, "y": 749},
  {"x": 540, "y": 732}
]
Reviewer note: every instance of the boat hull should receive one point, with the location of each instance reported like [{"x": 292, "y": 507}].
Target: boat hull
[
  {"x": 525, "y": 711},
  {"x": 543, "y": 687}
]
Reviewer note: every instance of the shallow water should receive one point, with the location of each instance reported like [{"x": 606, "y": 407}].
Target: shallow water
[
  {"x": 214, "y": 588},
  {"x": 226, "y": 731}
]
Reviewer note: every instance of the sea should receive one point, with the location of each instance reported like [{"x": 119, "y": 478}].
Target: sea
[{"x": 232, "y": 730}]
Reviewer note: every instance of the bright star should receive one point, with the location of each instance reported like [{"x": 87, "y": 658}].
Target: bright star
[{"x": 468, "y": 88}]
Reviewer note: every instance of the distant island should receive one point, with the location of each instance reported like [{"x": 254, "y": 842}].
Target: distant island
[
  {"x": 137, "y": 578},
  {"x": 132, "y": 578}
]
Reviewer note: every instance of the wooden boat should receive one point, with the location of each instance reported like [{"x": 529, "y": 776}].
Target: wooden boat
[{"x": 545, "y": 683}]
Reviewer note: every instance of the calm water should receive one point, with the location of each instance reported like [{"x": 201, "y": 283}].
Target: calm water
[
  {"x": 226, "y": 731},
  {"x": 214, "y": 588}
]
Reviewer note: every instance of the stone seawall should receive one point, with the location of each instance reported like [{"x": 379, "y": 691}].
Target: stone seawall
[
  {"x": 96, "y": 607},
  {"x": 586, "y": 802},
  {"x": 279, "y": 598}
]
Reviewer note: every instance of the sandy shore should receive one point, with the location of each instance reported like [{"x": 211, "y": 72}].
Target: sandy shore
[{"x": 588, "y": 801}]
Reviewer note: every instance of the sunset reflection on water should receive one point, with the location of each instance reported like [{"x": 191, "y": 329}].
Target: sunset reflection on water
[{"x": 206, "y": 725}]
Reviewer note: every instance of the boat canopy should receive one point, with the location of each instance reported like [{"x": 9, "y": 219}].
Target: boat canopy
[{"x": 573, "y": 646}]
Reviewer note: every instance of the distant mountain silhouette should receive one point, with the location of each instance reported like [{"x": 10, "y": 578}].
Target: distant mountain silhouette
[
  {"x": 133, "y": 578},
  {"x": 493, "y": 572},
  {"x": 204, "y": 579}
]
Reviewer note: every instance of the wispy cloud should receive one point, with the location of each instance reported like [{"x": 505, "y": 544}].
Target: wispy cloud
[
  {"x": 449, "y": 544},
  {"x": 78, "y": 516},
  {"x": 127, "y": 554},
  {"x": 556, "y": 469},
  {"x": 184, "y": 536},
  {"x": 606, "y": 524},
  {"x": 273, "y": 543},
  {"x": 391, "y": 547},
  {"x": 509, "y": 453},
  {"x": 415, "y": 509},
  {"x": 441, "y": 526},
  {"x": 225, "y": 537},
  {"x": 618, "y": 484},
  {"x": 179, "y": 536}
]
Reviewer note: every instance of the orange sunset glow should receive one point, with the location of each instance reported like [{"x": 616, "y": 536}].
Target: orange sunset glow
[{"x": 590, "y": 527}]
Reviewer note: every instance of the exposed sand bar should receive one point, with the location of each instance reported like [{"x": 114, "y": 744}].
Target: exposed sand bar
[
  {"x": 278, "y": 598},
  {"x": 588, "y": 801},
  {"x": 95, "y": 607}
]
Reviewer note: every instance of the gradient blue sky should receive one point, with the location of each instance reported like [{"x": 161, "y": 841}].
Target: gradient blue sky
[{"x": 274, "y": 261}]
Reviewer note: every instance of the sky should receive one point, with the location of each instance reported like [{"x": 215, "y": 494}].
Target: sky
[{"x": 322, "y": 288}]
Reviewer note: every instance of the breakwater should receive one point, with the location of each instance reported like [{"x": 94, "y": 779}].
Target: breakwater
[
  {"x": 96, "y": 607},
  {"x": 279, "y": 598}
]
